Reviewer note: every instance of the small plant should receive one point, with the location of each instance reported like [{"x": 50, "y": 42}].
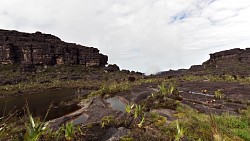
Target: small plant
[
  {"x": 106, "y": 120},
  {"x": 141, "y": 122},
  {"x": 218, "y": 94},
  {"x": 216, "y": 135},
  {"x": 180, "y": 132},
  {"x": 34, "y": 130},
  {"x": 163, "y": 89},
  {"x": 138, "y": 111},
  {"x": 69, "y": 131},
  {"x": 129, "y": 108},
  {"x": 2, "y": 129},
  {"x": 171, "y": 88},
  {"x": 158, "y": 120}
]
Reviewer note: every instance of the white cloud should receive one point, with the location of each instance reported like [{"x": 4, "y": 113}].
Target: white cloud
[{"x": 142, "y": 35}]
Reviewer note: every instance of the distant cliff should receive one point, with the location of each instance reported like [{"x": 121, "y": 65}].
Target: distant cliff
[
  {"x": 38, "y": 48},
  {"x": 232, "y": 60}
]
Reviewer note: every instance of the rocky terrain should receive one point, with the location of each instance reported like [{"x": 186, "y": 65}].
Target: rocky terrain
[
  {"x": 206, "y": 102},
  {"x": 231, "y": 60},
  {"x": 234, "y": 62},
  {"x": 45, "y": 49}
]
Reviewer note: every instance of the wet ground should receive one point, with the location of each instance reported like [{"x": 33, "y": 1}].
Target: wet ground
[
  {"x": 236, "y": 96},
  {"x": 58, "y": 100},
  {"x": 198, "y": 95}
]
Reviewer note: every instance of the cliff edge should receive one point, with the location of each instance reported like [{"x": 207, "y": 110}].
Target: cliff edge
[{"x": 38, "y": 48}]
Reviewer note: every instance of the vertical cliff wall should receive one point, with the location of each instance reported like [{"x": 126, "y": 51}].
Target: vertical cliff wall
[
  {"x": 37, "y": 48},
  {"x": 234, "y": 60}
]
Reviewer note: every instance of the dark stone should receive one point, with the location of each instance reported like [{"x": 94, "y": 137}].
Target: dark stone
[
  {"x": 45, "y": 81},
  {"x": 115, "y": 134},
  {"x": 38, "y": 48},
  {"x": 28, "y": 68},
  {"x": 228, "y": 59},
  {"x": 112, "y": 68},
  {"x": 125, "y": 71},
  {"x": 196, "y": 68},
  {"x": 131, "y": 79}
]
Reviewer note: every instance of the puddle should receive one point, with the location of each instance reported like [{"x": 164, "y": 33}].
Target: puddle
[
  {"x": 40, "y": 102},
  {"x": 116, "y": 104},
  {"x": 81, "y": 119},
  {"x": 196, "y": 93}
]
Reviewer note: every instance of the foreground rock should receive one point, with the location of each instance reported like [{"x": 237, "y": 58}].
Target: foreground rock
[{"x": 92, "y": 111}]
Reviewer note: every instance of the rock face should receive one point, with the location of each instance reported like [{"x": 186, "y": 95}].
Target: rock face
[
  {"x": 229, "y": 58},
  {"x": 235, "y": 61},
  {"x": 37, "y": 48}
]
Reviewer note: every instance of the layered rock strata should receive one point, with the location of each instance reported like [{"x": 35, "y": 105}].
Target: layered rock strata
[{"x": 38, "y": 48}]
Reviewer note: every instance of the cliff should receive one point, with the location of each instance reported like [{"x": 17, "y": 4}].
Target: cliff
[
  {"x": 235, "y": 61},
  {"x": 37, "y": 48},
  {"x": 228, "y": 59}
]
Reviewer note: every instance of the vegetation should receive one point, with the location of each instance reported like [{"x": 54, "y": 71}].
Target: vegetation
[
  {"x": 218, "y": 78},
  {"x": 143, "y": 124},
  {"x": 107, "y": 120},
  {"x": 61, "y": 76},
  {"x": 111, "y": 89},
  {"x": 203, "y": 127},
  {"x": 218, "y": 94},
  {"x": 180, "y": 132}
]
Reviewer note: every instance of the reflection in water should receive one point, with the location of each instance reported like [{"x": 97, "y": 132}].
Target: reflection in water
[
  {"x": 116, "y": 104},
  {"x": 40, "y": 102},
  {"x": 196, "y": 93},
  {"x": 81, "y": 119}
]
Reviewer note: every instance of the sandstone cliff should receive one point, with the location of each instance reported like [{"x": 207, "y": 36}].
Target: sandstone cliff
[
  {"x": 37, "y": 48},
  {"x": 234, "y": 61},
  {"x": 231, "y": 60}
]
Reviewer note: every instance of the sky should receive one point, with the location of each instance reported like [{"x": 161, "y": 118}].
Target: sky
[{"x": 142, "y": 35}]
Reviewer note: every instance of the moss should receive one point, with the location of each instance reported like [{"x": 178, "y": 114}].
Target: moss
[{"x": 126, "y": 138}]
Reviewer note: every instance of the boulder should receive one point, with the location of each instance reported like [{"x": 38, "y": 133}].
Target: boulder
[{"x": 112, "y": 68}]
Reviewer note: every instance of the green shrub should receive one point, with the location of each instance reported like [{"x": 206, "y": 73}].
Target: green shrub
[{"x": 218, "y": 94}]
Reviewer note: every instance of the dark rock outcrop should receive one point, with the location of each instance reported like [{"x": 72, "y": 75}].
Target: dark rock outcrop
[
  {"x": 235, "y": 61},
  {"x": 37, "y": 48},
  {"x": 228, "y": 59},
  {"x": 112, "y": 68}
]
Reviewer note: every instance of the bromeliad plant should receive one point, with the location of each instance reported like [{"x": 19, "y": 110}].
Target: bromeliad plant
[
  {"x": 69, "y": 131},
  {"x": 218, "y": 94},
  {"x": 34, "y": 130},
  {"x": 106, "y": 120},
  {"x": 180, "y": 132},
  {"x": 129, "y": 108},
  {"x": 137, "y": 111},
  {"x": 164, "y": 90}
]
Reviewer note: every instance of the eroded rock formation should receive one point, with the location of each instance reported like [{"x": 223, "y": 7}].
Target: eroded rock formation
[
  {"x": 234, "y": 60},
  {"x": 228, "y": 59},
  {"x": 39, "y": 48}
]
